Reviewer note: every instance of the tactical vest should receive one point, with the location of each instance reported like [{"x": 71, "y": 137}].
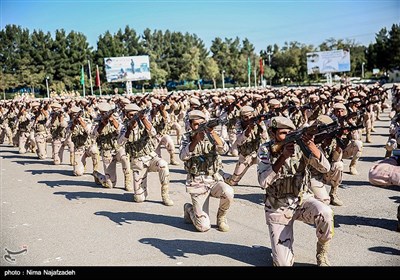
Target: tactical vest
[
  {"x": 293, "y": 178},
  {"x": 23, "y": 123},
  {"x": 79, "y": 136},
  {"x": 56, "y": 130},
  {"x": 139, "y": 143},
  {"x": 252, "y": 142},
  {"x": 160, "y": 125},
  {"x": 40, "y": 123},
  {"x": 11, "y": 120},
  {"x": 107, "y": 139},
  {"x": 207, "y": 161}
]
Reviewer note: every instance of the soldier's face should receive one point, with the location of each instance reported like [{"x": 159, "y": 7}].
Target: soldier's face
[
  {"x": 281, "y": 133},
  {"x": 340, "y": 112},
  {"x": 196, "y": 123}
]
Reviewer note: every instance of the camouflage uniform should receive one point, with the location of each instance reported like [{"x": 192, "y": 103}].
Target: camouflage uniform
[
  {"x": 288, "y": 198},
  {"x": 247, "y": 148},
  {"x": 203, "y": 181},
  {"x": 84, "y": 146},
  {"x": 162, "y": 138},
  {"x": 58, "y": 127},
  {"x": 26, "y": 138},
  {"x": 40, "y": 132},
  {"x": 143, "y": 159}
]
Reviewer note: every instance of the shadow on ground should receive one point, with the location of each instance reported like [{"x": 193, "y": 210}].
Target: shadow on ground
[
  {"x": 122, "y": 218},
  {"x": 127, "y": 197},
  {"x": 179, "y": 248},
  {"x": 385, "y": 250},
  {"x": 365, "y": 221}
]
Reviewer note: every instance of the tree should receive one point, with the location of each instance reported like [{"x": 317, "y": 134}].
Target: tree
[{"x": 211, "y": 70}]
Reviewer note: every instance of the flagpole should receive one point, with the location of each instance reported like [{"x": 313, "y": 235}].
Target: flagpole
[
  {"x": 98, "y": 73},
  {"x": 83, "y": 81},
  {"x": 90, "y": 78},
  {"x": 255, "y": 73},
  {"x": 249, "y": 70}
]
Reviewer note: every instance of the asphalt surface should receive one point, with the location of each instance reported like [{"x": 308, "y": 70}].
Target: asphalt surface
[{"x": 62, "y": 220}]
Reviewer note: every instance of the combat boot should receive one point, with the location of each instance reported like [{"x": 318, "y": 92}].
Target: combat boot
[
  {"x": 173, "y": 160},
  {"x": 322, "y": 254},
  {"x": 388, "y": 154},
  {"x": 368, "y": 137},
  {"x": 335, "y": 200},
  {"x": 222, "y": 222},
  {"x": 72, "y": 159},
  {"x": 96, "y": 178},
  {"x": 186, "y": 215},
  {"x": 165, "y": 196},
  {"x": 128, "y": 181},
  {"x": 353, "y": 163}
]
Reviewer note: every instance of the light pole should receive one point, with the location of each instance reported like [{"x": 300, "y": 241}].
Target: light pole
[
  {"x": 269, "y": 63},
  {"x": 223, "y": 79},
  {"x": 47, "y": 86},
  {"x": 362, "y": 70}
]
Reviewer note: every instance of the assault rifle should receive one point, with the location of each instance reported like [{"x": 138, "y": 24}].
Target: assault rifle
[
  {"x": 207, "y": 125},
  {"x": 336, "y": 134},
  {"x": 295, "y": 136}
]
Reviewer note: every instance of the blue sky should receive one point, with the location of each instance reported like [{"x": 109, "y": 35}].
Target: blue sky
[{"x": 263, "y": 22}]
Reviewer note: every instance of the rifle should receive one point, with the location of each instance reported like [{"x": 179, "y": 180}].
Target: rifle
[
  {"x": 210, "y": 124},
  {"x": 337, "y": 134},
  {"x": 262, "y": 117},
  {"x": 136, "y": 117},
  {"x": 295, "y": 136}
]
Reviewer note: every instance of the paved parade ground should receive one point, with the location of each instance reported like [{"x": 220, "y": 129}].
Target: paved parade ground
[{"x": 57, "y": 219}]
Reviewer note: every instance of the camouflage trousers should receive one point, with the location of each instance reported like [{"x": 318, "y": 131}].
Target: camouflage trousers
[
  {"x": 199, "y": 212},
  {"x": 6, "y": 131},
  {"x": 333, "y": 178},
  {"x": 80, "y": 155},
  {"x": 385, "y": 173},
  {"x": 57, "y": 151},
  {"x": 26, "y": 141},
  {"x": 110, "y": 160},
  {"x": 243, "y": 164},
  {"x": 165, "y": 141},
  {"x": 141, "y": 167},
  {"x": 41, "y": 147},
  {"x": 354, "y": 149},
  {"x": 280, "y": 226},
  {"x": 178, "y": 128}
]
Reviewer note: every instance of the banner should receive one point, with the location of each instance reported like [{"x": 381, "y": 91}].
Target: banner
[
  {"x": 82, "y": 76},
  {"x": 328, "y": 62},
  {"x": 127, "y": 68}
]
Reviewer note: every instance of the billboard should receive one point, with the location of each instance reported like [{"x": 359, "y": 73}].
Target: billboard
[
  {"x": 328, "y": 62},
  {"x": 127, "y": 68}
]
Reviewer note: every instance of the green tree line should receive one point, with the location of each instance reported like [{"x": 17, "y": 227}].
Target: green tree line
[{"x": 28, "y": 58}]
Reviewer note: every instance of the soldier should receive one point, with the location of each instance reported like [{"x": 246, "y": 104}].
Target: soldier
[
  {"x": 160, "y": 121},
  {"x": 58, "y": 127},
  {"x": 286, "y": 178},
  {"x": 354, "y": 148},
  {"x": 387, "y": 172},
  {"x": 39, "y": 127},
  {"x": 106, "y": 133},
  {"x": 201, "y": 156},
  {"x": 251, "y": 132},
  {"x": 26, "y": 139},
  {"x": 79, "y": 128},
  {"x": 136, "y": 135}
]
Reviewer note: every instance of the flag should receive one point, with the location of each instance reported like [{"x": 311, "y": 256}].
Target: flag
[
  {"x": 97, "y": 80},
  {"x": 248, "y": 66},
  {"x": 82, "y": 76},
  {"x": 261, "y": 66}
]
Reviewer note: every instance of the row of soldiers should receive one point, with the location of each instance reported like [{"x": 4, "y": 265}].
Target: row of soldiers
[{"x": 133, "y": 129}]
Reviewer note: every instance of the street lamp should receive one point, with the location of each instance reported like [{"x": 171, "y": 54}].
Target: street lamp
[
  {"x": 47, "y": 86},
  {"x": 223, "y": 79},
  {"x": 362, "y": 69}
]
